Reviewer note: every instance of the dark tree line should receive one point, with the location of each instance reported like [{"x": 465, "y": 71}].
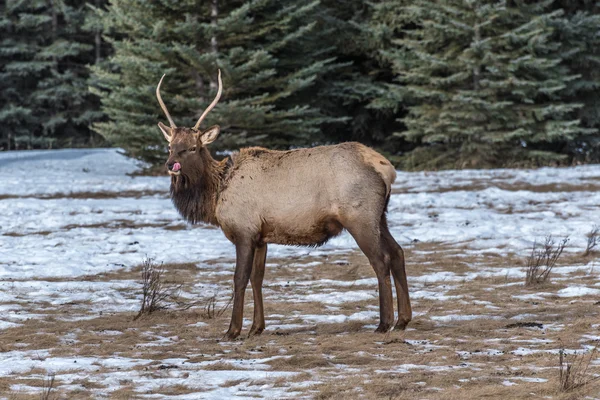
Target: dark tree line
[
  {"x": 46, "y": 48},
  {"x": 433, "y": 84}
]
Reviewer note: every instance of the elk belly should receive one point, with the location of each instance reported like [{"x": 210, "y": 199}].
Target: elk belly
[{"x": 302, "y": 233}]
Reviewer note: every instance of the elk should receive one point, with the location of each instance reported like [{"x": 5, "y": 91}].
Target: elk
[{"x": 299, "y": 197}]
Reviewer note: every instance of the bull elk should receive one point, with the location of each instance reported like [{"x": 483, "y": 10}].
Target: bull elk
[{"x": 299, "y": 197}]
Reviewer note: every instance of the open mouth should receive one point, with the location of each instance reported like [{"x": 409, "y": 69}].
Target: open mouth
[{"x": 175, "y": 169}]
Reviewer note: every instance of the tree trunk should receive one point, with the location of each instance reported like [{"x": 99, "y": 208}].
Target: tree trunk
[
  {"x": 214, "y": 14},
  {"x": 54, "y": 30},
  {"x": 98, "y": 39},
  {"x": 199, "y": 83},
  {"x": 214, "y": 44},
  {"x": 477, "y": 69}
]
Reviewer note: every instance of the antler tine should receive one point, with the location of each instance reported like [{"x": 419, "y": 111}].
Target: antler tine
[
  {"x": 162, "y": 103},
  {"x": 213, "y": 104}
]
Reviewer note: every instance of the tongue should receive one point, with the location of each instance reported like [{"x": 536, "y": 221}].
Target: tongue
[{"x": 176, "y": 167}]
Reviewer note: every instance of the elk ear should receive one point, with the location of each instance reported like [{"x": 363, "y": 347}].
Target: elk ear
[
  {"x": 166, "y": 131},
  {"x": 209, "y": 135}
]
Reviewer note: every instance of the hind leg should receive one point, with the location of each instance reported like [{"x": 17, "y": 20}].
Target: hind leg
[
  {"x": 397, "y": 266},
  {"x": 256, "y": 279},
  {"x": 369, "y": 241}
]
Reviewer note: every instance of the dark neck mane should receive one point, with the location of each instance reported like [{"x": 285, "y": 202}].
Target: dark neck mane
[{"x": 195, "y": 193}]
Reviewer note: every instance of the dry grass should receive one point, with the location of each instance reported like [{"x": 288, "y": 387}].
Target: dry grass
[
  {"x": 436, "y": 358},
  {"x": 211, "y": 311},
  {"x": 513, "y": 186},
  {"x": 487, "y": 336},
  {"x": 90, "y": 195},
  {"x": 113, "y": 224},
  {"x": 19, "y": 234}
]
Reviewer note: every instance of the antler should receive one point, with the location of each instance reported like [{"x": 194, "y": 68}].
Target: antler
[
  {"x": 162, "y": 103},
  {"x": 213, "y": 104}
]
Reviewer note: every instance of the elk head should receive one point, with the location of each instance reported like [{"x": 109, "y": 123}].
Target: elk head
[{"x": 186, "y": 145}]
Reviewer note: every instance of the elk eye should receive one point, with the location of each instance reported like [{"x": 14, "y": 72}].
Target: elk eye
[{"x": 193, "y": 148}]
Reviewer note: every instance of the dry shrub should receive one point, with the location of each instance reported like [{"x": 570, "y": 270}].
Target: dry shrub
[
  {"x": 574, "y": 374},
  {"x": 210, "y": 309},
  {"x": 593, "y": 239},
  {"x": 155, "y": 292},
  {"x": 542, "y": 259},
  {"x": 47, "y": 388}
]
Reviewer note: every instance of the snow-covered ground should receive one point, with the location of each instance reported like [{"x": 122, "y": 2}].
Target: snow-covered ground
[
  {"x": 68, "y": 216},
  {"x": 66, "y": 235}
]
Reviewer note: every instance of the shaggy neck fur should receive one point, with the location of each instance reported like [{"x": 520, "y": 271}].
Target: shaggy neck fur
[{"x": 195, "y": 192}]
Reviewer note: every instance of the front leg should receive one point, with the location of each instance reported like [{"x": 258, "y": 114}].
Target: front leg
[{"x": 244, "y": 255}]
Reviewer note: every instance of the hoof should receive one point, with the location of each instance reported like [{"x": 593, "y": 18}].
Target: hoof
[
  {"x": 383, "y": 328},
  {"x": 401, "y": 325},
  {"x": 255, "y": 331},
  {"x": 231, "y": 335}
]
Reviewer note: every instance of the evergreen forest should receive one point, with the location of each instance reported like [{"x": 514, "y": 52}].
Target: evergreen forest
[{"x": 431, "y": 84}]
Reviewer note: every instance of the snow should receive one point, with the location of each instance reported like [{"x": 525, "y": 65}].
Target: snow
[
  {"x": 101, "y": 296},
  {"x": 488, "y": 352},
  {"x": 342, "y": 297},
  {"x": 83, "y": 236},
  {"x": 73, "y": 214},
  {"x": 427, "y": 294},
  {"x": 460, "y": 317},
  {"x": 480, "y": 217},
  {"x": 7, "y": 324},
  {"x": 443, "y": 180},
  {"x": 577, "y": 291},
  {"x": 523, "y": 379},
  {"x": 340, "y": 318},
  {"x": 71, "y": 171},
  {"x": 15, "y": 362},
  {"x": 405, "y": 368}
]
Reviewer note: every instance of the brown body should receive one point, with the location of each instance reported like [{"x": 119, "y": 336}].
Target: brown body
[{"x": 297, "y": 197}]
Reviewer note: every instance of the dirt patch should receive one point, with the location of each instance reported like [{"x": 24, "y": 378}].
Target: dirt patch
[
  {"x": 89, "y": 195},
  {"x": 18, "y": 234},
  {"x": 512, "y": 187}
]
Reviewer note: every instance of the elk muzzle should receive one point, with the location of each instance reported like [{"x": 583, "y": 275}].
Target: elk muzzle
[{"x": 174, "y": 167}]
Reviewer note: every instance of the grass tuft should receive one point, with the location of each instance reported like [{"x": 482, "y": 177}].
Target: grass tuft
[
  {"x": 574, "y": 374},
  {"x": 47, "y": 388},
  {"x": 210, "y": 309},
  {"x": 593, "y": 239},
  {"x": 542, "y": 259}
]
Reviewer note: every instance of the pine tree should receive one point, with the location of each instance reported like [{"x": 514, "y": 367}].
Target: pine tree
[
  {"x": 44, "y": 54},
  {"x": 260, "y": 46},
  {"x": 348, "y": 92},
  {"x": 485, "y": 82},
  {"x": 579, "y": 36}
]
